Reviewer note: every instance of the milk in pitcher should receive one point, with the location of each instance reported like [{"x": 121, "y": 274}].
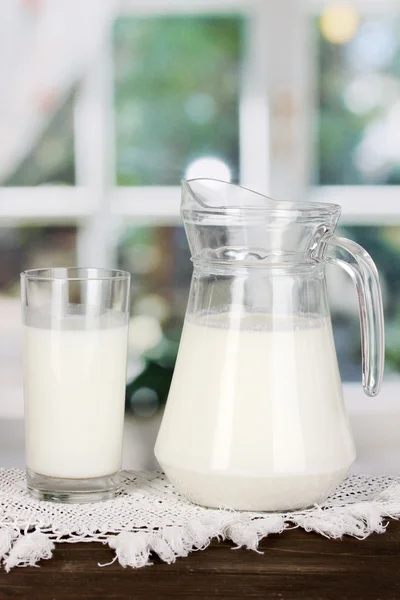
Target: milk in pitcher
[{"x": 255, "y": 417}]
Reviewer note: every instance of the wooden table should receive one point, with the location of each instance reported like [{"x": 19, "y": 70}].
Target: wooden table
[{"x": 293, "y": 565}]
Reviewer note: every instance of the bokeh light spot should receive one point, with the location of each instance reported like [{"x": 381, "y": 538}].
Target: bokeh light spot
[
  {"x": 339, "y": 22},
  {"x": 209, "y": 166}
]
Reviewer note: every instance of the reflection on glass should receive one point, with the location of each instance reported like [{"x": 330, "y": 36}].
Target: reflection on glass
[
  {"x": 358, "y": 101},
  {"x": 177, "y": 82},
  {"x": 383, "y": 243},
  {"x": 51, "y": 161}
]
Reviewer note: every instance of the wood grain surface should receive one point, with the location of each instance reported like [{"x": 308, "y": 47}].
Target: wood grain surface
[{"x": 294, "y": 565}]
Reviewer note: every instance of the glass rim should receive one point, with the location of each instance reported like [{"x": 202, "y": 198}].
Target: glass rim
[
  {"x": 301, "y": 207},
  {"x": 76, "y": 274}
]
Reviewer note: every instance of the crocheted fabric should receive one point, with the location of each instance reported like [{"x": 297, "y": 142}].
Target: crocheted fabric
[{"x": 150, "y": 517}]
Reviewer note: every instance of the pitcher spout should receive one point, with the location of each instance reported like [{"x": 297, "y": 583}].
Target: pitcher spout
[
  {"x": 215, "y": 195},
  {"x": 228, "y": 222}
]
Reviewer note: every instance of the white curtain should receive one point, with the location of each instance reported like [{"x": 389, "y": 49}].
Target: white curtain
[{"x": 45, "y": 48}]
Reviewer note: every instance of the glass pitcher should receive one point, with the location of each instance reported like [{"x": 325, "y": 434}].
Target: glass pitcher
[{"x": 255, "y": 418}]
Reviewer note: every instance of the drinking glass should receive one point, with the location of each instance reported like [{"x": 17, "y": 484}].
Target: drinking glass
[{"x": 75, "y": 327}]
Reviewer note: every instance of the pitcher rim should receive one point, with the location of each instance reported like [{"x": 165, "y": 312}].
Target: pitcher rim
[{"x": 305, "y": 207}]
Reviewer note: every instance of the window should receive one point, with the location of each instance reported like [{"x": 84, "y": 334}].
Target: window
[
  {"x": 177, "y": 92},
  {"x": 159, "y": 260},
  {"x": 159, "y": 89},
  {"x": 357, "y": 159},
  {"x": 383, "y": 243},
  {"x": 358, "y": 103},
  {"x": 24, "y": 247},
  {"x": 51, "y": 161},
  {"x": 154, "y": 93}
]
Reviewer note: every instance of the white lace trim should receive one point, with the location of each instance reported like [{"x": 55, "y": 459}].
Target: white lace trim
[{"x": 150, "y": 517}]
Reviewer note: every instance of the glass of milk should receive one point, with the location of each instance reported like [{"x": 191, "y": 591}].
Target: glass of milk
[{"x": 75, "y": 328}]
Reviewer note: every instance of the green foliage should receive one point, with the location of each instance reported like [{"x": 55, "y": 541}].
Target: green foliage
[
  {"x": 393, "y": 358},
  {"x": 161, "y": 65},
  {"x": 339, "y": 129}
]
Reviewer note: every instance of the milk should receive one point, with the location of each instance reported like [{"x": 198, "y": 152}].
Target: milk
[
  {"x": 255, "y": 417},
  {"x": 74, "y": 385}
]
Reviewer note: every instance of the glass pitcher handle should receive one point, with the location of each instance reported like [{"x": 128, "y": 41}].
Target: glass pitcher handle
[{"x": 358, "y": 263}]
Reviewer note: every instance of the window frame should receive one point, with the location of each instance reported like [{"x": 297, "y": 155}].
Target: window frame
[
  {"x": 95, "y": 203},
  {"x": 98, "y": 207},
  {"x": 360, "y": 204},
  {"x": 95, "y": 192}
]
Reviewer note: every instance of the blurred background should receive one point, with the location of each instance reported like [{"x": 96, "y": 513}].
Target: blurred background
[{"x": 105, "y": 105}]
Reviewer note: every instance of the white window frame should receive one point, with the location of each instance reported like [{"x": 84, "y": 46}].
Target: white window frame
[
  {"x": 277, "y": 67},
  {"x": 361, "y": 204},
  {"x": 272, "y": 68},
  {"x": 95, "y": 203}
]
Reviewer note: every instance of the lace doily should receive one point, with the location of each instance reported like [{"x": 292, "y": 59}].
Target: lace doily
[{"x": 149, "y": 517}]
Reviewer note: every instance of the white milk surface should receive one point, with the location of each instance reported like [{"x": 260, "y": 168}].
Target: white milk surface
[
  {"x": 255, "y": 417},
  {"x": 74, "y": 387}
]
